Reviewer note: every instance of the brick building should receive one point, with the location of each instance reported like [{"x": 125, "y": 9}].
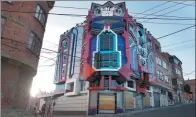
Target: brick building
[
  {"x": 162, "y": 80},
  {"x": 176, "y": 74},
  {"x": 192, "y": 84},
  {"x": 21, "y": 42}
]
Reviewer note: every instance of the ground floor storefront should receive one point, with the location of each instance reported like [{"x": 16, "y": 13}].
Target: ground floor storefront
[
  {"x": 94, "y": 102},
  {"x": 118, "y": 102}
]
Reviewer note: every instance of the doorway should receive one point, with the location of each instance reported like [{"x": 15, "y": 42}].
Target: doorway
[
  {"x": 106, "y": 103},
  {"x": 156, "y": 99},
  {"x": 139, "y": 101}
]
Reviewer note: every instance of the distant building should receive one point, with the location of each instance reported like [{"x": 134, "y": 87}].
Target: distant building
[
  {"x": 192, "y": 84},
  {"x": 176, "y": 77},
  {"x": 162, "y": 85},
  {"x": 21, "y": 42},
  {"x": 110, "y": 64}
]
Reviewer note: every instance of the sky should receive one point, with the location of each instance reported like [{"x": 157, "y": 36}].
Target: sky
[{"x": 57, "y": 25}]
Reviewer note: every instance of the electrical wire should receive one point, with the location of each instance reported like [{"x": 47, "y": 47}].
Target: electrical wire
[
  {"x": 177, "y": 43},
  {"x": 160, "y": 15},
  {"x": 165, "y": 23},
  {"x": 164, "y": 9},
  {"x": 153, "y": 8},
  {"x": 71, "y": 7},
  {"x": 50, "y": 58},
  {"x": 167, "y": 13},
  {"x": 129, "y": 12},
  {"x": 183, "y": 3},
  {"x": 181, "y": 48},
  {"x": 157, "y": 38},
  {"x": 190, "y": 73},
  {"x": 168, "y": 34},
  {"x": 84, "y": 16},
  {"x": 175, "y": 32},
  {"x": 136, "y": 45},
  {"x": 127, "y": 48},
  {"x": 26, "y": 44}
]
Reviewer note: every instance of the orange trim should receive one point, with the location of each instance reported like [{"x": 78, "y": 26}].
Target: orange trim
[{"x": 96, "y": 88}]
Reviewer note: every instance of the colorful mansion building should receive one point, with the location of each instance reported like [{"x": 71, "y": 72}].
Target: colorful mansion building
[{"x": 111, "y": 64}]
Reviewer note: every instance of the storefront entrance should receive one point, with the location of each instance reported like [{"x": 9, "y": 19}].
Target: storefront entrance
[
  {"x": 139, "y": 101},
  {"x": 156, "y": 99},
  {"x": 106, "y": 103}
]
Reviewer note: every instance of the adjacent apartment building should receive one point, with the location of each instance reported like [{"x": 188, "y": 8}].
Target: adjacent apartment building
[
  {"x": 191, "y": 83},
  {"x": 110, "y": 63},
  {"x": 21, "y": 42}
]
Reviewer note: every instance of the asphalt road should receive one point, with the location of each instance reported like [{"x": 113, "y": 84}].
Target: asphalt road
[
  {"x": 187, "y": 110},
  {"x": 175, "y": 111}
]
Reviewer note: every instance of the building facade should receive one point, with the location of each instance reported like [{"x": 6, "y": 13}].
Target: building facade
[
  {"x": 109, "y": 64},
  {"x": 176, "y": 75},
  {"x": 191, "y": 83},
  {"x": 21, "y": 42}
]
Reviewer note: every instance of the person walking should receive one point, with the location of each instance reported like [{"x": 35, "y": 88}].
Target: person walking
[
  {"x": 36, "y": 109},
  {"x": 48, "y": 111},
  {"x": 43, "y": 110}
]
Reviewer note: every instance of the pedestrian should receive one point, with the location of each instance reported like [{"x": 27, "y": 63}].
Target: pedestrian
[
  {"x": 36, "y": 109},
  {"x": 48, "y": 111},
  {"x": 43, "y": 110}
]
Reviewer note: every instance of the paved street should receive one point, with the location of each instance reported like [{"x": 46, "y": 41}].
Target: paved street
[{"x": 187, "y": 110}]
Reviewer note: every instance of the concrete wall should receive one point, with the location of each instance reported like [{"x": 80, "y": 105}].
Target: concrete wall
[{"x": 65, "y": 105}]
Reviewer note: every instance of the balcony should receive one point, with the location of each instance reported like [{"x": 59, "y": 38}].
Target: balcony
[{"x": 105, "y": 61}]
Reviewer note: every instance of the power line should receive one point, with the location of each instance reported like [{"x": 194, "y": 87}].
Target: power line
[
  {"x": 71, "y": 7},
  {"x": 164, "y": 9},
  {"x": 183, "y": 3},
  {"x": 84, "y": 16},
  {"x": 128, "y": 48},
  {"x": 153, "y": 8},
  {"x": 175, "y": 32},
  {"x": 24, "y": 44},
  {"x": 47, "y": 57},
  {"x": 166, "y": 23},
  {"x": 24, "y": 51},
  {"x": 71, "y": 15},
  {"x": 129, "y": 12},
  {"x": 50, "y": 42},
  {"x": 181, "y": 48},
  {"x": 189, "y": 73},
  {"x": 168, "y": 34},
  {"x": 160, "y": 15},
  {"x": 177, "y": 43},
  {"x": 167, "y": 13}
]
